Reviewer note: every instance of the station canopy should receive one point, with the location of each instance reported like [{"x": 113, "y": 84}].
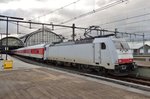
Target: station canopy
[
  {"x": 41, "y": 36},
  {"x": 13, "y": 42}
]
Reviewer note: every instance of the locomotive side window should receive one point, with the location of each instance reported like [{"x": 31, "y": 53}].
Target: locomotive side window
[{"x": 103, "y": 46}]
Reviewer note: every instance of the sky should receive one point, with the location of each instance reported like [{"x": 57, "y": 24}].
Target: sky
[{"x": 130, "y": 16}]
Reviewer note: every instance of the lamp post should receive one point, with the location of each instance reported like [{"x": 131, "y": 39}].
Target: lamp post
[
  {"x": 143, "y": 44},
  {"x": 73, "y": 32},
  {"x": 1, "y": 43},
  {"x": 1, "y": 46},
  {"x": 8, "y": 17}
]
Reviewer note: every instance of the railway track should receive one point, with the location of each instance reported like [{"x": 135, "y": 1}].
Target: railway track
[
  {"x": 120, "y": 82},
  {"x": 129, "y": 81},
  {"x": 137, "y": 80}
]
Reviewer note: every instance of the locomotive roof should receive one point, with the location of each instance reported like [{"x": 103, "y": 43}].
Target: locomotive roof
[{"x": 84, "y": 41}]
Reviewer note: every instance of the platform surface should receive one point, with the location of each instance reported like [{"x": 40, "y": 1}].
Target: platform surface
[
  {"x": 28, "y": 81},
  {"x": 17, "y": 64},
  {"x": 143, "y": 63},
  {"x": 41, "y": 83}
]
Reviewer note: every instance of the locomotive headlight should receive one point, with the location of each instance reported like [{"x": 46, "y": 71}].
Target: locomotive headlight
[
  {"x": 119, "y": 60},
  {"x": 131, "y": 60}
]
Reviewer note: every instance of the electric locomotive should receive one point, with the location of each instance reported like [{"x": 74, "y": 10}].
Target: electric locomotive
[{"x": 103, "y": 54}]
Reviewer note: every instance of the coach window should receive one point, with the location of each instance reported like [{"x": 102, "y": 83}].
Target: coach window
[{"x": 103, "y": 46}]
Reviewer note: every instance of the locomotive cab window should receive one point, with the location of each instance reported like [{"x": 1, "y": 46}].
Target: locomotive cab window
[
  {"x": 121, "y": 45},
  {"x": 103, "y": 46}
]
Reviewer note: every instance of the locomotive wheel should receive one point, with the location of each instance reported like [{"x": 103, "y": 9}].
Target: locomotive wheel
[
  {"x": 79, "y": 67},
  {"x": 102, "y": 71},
  {"x": 85, "y": 68}
]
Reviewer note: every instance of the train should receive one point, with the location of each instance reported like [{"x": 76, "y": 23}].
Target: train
[{"x": 105, "y": 55}]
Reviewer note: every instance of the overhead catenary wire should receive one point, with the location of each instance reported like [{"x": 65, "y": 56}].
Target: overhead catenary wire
[
  {"x": 19, "y": 25},
  {"x": 144, "y": 31},
  {"x": 58, "y": 25},
  {"x": 130, "y": 23},
  {"x": 63, "y": 28},
  {"x": 132, "y": 17},
  {"x": 111, "y": 4},
  {"x": 71, "y": 4},
  {"x": 49, "y": 13},
  {"x": 56, "y": 10},
  {"x": 130, "y": 11}
]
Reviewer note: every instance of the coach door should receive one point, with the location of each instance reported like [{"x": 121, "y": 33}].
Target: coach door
[{"x": 97, "y": 53}]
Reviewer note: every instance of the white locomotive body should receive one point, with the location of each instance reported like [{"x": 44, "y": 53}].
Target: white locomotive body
[{"x": 101, "y": 53}]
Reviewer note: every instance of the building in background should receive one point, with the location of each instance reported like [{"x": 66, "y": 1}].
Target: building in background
[
  {"x": 138, "y": 48},
  {"x": 41, "y": 36}
]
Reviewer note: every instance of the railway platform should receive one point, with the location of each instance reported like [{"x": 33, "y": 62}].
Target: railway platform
[
  {"x": 27, "y": 81},
  {"x": 143, "y": 64},
  {"x": 17, "y": 64},
  {"x": 142, "y": 61},
  {"x": 143, "y": 69}
]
